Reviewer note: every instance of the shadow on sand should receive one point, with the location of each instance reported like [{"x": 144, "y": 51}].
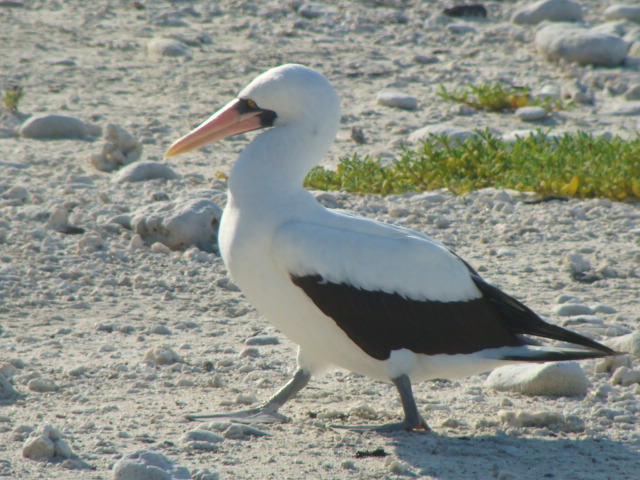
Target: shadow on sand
[{"x": 499, "y": 456}]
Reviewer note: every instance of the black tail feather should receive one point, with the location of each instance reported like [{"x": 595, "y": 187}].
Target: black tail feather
[{"x": 522, "y": 320}]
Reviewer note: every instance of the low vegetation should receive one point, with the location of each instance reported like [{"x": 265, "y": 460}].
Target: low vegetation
[
  {"x": 12, "y": 98},
  {"x": 578, "y": 165},
  {"x": 497, "y": 97}
]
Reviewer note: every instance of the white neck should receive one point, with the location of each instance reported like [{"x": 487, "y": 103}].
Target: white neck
[{"x": 276, "y": 162}]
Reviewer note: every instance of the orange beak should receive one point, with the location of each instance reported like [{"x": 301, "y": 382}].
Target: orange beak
[{"x": 229, "y": 120}]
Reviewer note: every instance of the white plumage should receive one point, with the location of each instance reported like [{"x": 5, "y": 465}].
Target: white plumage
[{"x": 376, "y": 299}]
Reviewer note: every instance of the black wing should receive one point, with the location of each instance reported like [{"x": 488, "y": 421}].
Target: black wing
[{"x": 380, "y": 322}]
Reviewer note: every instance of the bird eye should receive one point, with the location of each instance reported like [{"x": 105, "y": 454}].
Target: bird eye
[{"x": 251, "y": 104}]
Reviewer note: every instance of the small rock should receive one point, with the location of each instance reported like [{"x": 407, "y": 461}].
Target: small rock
[
  {"x": 162, "y": 355},
  {"x": 52, "y": 126},
  {"x": 204, "y": 474},
  {"x": 556, "y": 379},
  {"x": 166, "y": 47},
  {"x": 348, "y": 465},
  {"x": 59, "y": 221},
  {"x": 246, "y": 399},
  {"x": 262, "y": 340},
  {"x": 148, "y": 465},
  {"x": 531, "y": 114},
  {"x": 42, "y": 385},
  {"x": 17, "y": 194},
  {"x": 7, "y": 392},
  {"x": 120, "y": 148},
  {"x": 357, "y": 135},
  {"x": 606, "y": 309},
  {"x": 612, "y": 363},
  {"x": 78, "y": 371},
  {"x": 626, "y": 343},
  {"x": 580, "y": 45},
  {"x": 572, "y": 309},
  {"x": 160, "y": 329},
  {"x": 239, "y": 432},
  {"x": 397, "y": 467},
  {"x": 576, "y": 263},
  {"x": 549, "y": 91},
  {"x": 161, "y": 248},
  {"x": 541, "y": 419},
  {"x": 201, "y": 440},
  {"x": 142, "y": 171},
  {"x": 426, "y": 59},
  {"x": 633, "y": 92},
  {"x": 38, "y": 448},
  {"x": 459, "y": 134},
  {"x": 180, "y": 224},
  {"x": 553, "y": 10},
  {"x": 625, "y": 376},
  {"x": 316, "y": 10},
  {"x": 623, "y": 12},
  {"x": 391, "y": 98}
]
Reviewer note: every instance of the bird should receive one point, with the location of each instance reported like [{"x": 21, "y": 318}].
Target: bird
[{"x": 379, "y": 300}]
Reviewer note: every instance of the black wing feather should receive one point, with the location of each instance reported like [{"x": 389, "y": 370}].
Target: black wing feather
[{"x": 380, "y": 322}]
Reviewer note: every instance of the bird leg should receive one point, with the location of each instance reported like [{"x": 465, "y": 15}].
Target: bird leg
[
  {"x": 267, "y": 412},
  {"x": 412, "y": 418}
]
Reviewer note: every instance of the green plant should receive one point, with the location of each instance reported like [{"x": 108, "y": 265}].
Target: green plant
[
  {"x": 12, "y": 97},
  {"x": 578, "y": 165},
  {"x": 496, "y": 97}
]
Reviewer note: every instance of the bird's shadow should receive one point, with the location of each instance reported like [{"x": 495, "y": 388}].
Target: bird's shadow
[{"x": 501, "y": 456}]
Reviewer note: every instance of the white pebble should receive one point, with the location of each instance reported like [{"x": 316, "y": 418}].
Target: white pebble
[
  {"x": 571, "y": 309},
  {"x": 553, "y": 10},
  {"x": 246, "y": 398},
  {"x": 201, "y": 436},
  {"x": 576, "y": 263},
  {"x": 541, "y": 419},
  {"x": 160, "y": 330},
  {"x": 42, "y": 385},
  {"x": 78, "y": 371},
  {"x": 397, "y": 466},
  {"x": 182, "y": 224},
  {"x": 38, "y": 448},
  {"x": 262, "y": 340},
  {"x": 17, "y": 193},
  {"x": 315, "y": 10},
  {"x": 147, "y": 465},
  {"x": 391, "y": 98},
  {"x": 456, "y": 133},
  {"x": 622, "y": 12},
  {"x": 52, "y": 126},
  {"x": 120, "y": 148},
  {"x": 555, "y": 379},
  {"x": 166, "y": 47},
  {"x": 625, "y": 376},
  {"x": 580, "y": 45},
  {"x": 531, "y": 114},
  {"x": 626, "y": 343},
  {"x": 143, "y": 171},
  {"x": 162, "y": 355}
]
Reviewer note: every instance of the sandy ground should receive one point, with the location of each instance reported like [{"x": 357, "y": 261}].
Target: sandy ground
[{"x": 83, "y": 314}]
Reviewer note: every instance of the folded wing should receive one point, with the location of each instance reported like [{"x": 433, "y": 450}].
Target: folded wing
[{"x": 389, "y": 288}]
